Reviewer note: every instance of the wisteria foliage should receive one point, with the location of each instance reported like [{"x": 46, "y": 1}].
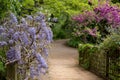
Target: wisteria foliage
[{"x": 28, "y": 41}]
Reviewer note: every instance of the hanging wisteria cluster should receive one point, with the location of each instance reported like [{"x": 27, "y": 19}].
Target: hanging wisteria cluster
[{"x": 28, "y": 42}]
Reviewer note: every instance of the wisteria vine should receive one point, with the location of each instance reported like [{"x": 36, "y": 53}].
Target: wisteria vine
[{"x": 28, "y": 41}]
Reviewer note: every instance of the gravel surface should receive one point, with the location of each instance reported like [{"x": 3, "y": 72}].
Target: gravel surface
[{"x": 63, "y": 64}]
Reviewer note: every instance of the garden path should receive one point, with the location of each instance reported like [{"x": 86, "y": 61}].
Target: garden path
[{"x": 63, "y": 64}]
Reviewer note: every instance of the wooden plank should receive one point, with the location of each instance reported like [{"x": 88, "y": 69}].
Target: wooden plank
[{"x": 12, "y": 71}]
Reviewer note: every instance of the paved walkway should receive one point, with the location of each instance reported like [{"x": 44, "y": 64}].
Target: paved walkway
[{"x": 63, "y": 64}]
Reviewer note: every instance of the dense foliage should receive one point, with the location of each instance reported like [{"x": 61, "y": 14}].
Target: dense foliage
[
  {"x": 111, "y": 44},
  {"x": 57, "y": 7},
  {"x": 101, "y": 28},
  {"x": 107, "y": 53},
  {"x": 63, "y": 10},
  {"x": 9, "y": 5},
  {"x": 103, "y": 59},
  {"x": 115, "y": 1},
  {"x": 93, "y": 26},
  {"x": 86, "y": 50},
  {"x": 19, "y": 7}
]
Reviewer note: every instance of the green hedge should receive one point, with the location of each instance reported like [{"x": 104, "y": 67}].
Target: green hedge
[
  {"x": 103, "y": 59},
  {"x": 85, "y": 54}
]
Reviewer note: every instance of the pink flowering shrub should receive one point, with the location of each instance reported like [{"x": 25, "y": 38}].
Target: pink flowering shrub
[{"x": 96, "y": 24}]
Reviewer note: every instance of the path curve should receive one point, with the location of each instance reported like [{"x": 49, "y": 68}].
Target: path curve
[{"x": 63, "y": 64}]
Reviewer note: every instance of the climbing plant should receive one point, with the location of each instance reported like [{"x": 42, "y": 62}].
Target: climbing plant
[{"x": 27, "y": 45}]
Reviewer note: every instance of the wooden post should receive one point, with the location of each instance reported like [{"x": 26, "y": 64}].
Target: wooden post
[{"x": 12, "y": 71}]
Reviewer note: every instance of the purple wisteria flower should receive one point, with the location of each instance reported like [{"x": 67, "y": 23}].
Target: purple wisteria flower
[
  {"x": 41, "y": 60},
  {"x": 4, "y": 36},
  {"x": 1, "y": 30},
  {"x": 25, "y": 41},
  {"x": 13, "y": 54},
  {"x": 11, "y": 31},
  {"x": 13, "y": 19},
  {"x": 24, "y": 24},
  {"x": 39, "y": 18},
  {"x": 16, "y": 36},
  {"x": 32, "y": 32},
  {"x": 34, "y": 46},
  {"x": 18, "y": 52},
  {"x": 11, "y": 42},
  {"x": 3, "y": 43},
  {"x": 41, "y": 36},
  {"x": 29, "y": 17},
  {"x": 43, "y": 24},
  {"x": 32, "y": 72},
  {"x": 45, "y": 50},
  {"x": 50, "y": 35},
  {"x": 24, "y": 38}
]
